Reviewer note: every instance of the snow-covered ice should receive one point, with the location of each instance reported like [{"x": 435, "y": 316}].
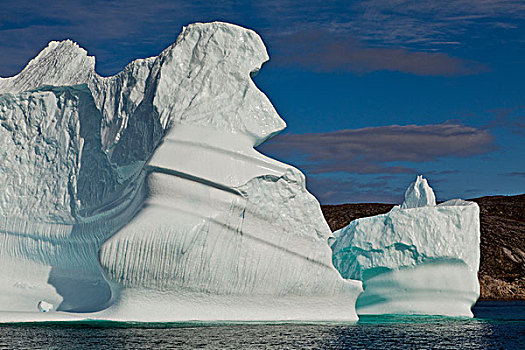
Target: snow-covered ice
[
  {"x": 420, "y": 258},
  {"x": 140, "y": 196}
]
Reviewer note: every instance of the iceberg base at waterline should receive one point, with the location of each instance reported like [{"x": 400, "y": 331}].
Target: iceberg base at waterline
[
  {"x": 445, "y": 288},
  {"x": 152, "y": 306}
]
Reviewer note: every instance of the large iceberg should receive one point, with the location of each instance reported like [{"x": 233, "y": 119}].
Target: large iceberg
[
  {"x": 420, "y": 258},
  {"x": 140, "y": 196}
]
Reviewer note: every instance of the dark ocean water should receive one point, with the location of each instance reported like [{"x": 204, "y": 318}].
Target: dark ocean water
[{"x": 497, "y": 325}]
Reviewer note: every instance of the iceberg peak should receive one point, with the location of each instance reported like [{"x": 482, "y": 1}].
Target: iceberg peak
[
  {"x": 60, "y": 63},
  {"x": 419, "y": 194}
]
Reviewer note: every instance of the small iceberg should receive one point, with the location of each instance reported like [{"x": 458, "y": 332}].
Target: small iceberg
[
  {"x": 44, "y": 306},
  {"x": 419, "y": 258}
]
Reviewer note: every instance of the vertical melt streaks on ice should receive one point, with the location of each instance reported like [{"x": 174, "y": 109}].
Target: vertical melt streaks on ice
[
  {"x": 153, "y": 176},
  {"x": 227, "y": 213}
]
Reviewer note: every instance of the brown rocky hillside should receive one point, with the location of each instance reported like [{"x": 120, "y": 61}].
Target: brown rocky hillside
[{"x": 502, "y": 267}]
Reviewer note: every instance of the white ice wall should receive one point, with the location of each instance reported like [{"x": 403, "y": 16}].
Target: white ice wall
[{"x": 118, "y": 227}]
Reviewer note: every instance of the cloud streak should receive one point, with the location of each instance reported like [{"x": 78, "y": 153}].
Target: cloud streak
[
  {"x": 420, "y": 22},
  {"x": 325, "y": 52},
  {"x": 517, "y": 174},
  {"x": 512, "y": 119},
  {"x": 370, "y": 150}
]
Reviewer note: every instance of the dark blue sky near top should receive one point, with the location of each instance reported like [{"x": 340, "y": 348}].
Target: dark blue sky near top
[{"x": 374, "y": 92}]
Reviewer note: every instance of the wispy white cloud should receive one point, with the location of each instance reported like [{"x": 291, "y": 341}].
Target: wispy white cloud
[
  {"x": 400, "y": 23},
  {"x": 424, "y": 21}
]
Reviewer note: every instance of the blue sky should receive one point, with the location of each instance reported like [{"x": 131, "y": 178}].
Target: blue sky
[{"x": 374, "y": 92}]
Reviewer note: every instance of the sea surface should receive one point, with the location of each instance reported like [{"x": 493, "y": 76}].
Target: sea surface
[{"x": 497, "y": 325}]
